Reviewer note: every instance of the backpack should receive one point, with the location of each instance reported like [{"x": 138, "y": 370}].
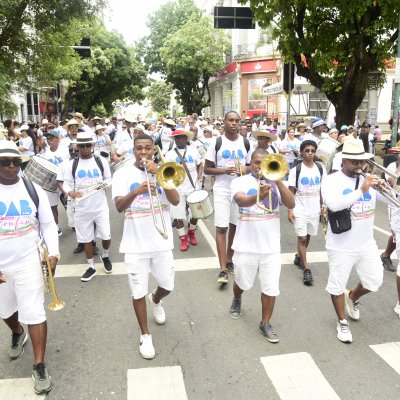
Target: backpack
[
  {"x": 218, "y": 144},
  {"x": 32, "y": 193},
  {"x": 298, "y": 170}
]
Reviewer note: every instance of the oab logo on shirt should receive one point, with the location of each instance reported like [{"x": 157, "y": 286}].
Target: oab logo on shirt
[
  {"x": 363, "y": 207},
  {"x": 16, "y": 219}
]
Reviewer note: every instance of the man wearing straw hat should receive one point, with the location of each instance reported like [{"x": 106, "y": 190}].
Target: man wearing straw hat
[
  {"x": 72, "y": 127},
  {"x": 356, "y": 247},
  {"x": 22, "y": 214},
  {"x": 264, "y": 140},
  {"x": 185, "y": 154},
  {"x": 82, "y": 175}
]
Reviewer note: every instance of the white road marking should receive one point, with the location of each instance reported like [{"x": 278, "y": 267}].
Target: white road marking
[
  {"x": 296, "y": 376},
  {"x": 161, "y": 383},
  {"x": 21, "y": 389},
  {"x": 382, "y": 230},
  {"x": 390, "y": 352},
  {"x": 208, "y": 236}
]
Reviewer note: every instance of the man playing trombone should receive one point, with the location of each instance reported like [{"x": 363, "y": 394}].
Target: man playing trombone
[
  {"x": 24, "y": 205},
  {"x": 81, "y": 175},
  {"x": 257, "y": 239},
  {"x": 147, "y": 239}
]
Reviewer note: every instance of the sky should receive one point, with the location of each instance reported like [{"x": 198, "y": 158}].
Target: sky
[{"x": 129, "y": 17}]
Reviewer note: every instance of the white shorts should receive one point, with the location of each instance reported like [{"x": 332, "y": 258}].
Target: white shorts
[
  {"x": 159, "y": 263},
  {"x": 225, "y": 211},
  {"x": 396, "y": 238},
  {"x": 368, "y": 266},
  {"x": 306, "y": 226},
  {"x": 53, "y": 197},
  {"x": 268, "y": 267},
  {"x": 179, "y": 211},
  {"x": 84, "y": 226},
  {"x": 23, "y": 292}
]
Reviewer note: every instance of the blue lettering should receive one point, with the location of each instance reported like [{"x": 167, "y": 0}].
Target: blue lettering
[
  {"x": 251, "y": 192},
  {"x": 12, "y": 211},
  {"x": 81, "y": 173},
  {"x": 226, "y": 154},
  {"x": 317, "y": 180},
  {"x": 191, "y": 159},
  {"x": 133, "y": 186},
  {"x": 3, "y": 208},
  {"x": 304, "y": 181},
  {"x": 240, "y": 154},
  {"x": 89, "y": 174},
  {"x": 25, "y": 209},
  {"x": 96, "y": 173}
]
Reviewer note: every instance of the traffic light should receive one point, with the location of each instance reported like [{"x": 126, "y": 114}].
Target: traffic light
[
  {"x": 233, "y": 18},
  {"x": 288, "y": 77},
  {"x": 84, "y": 48}
]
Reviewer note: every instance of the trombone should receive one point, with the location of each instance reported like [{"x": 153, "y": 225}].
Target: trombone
[
  {"x": 170, "y": 175},
  {"x": 274, "y": 167},
  {"x": 49, "y": 286}
]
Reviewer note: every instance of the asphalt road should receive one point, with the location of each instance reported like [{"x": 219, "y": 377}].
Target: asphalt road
[{"x": 92, "y": 350}]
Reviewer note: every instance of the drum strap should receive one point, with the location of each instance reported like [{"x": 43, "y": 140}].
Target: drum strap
[
  {"x": 185, "y": 166},
  {"x": 30, "y": 188}
]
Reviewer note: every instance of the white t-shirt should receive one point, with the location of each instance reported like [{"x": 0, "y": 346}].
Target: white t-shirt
[
  {"x": 55, "y": 157},
  {"x": 394, "y": 212},
  {"x": 26, "y": 143},
  {"x": 101, "y": 143},
  {"x": 139, "y": 234},
  {"x": 337, "y": 161},
  {"x": 121, "y": 137},
  {"x": 19, "y": 226},
  {"x": 293, "y": 145},
  {"x": 125, "y": 148},
  {"x": 87, "y": 175},
  {"x": 338, "y": 192},
  {"x": 257, "y": 231},
  {"x": 307, "y": 196},
  {"x": 66, "y": 141},
  {"x": 227, "y": 157},
  {"x": 310, "y": 136},
  {"x": 192, "y": 159}
]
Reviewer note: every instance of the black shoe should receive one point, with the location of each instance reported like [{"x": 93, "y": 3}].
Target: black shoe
[
  {"x": 107, "y": 265},
  {"x": 307, "y": 277},
  {"x": 222, "y": 277},
  {"x": 88, "y": 275},
  {"x": 298, "y": 262},
  {"x": 174, "y": 223},
  {"x": 79, "y": 248},
  {"x": 95, "y": 249},
  {"x": 387, "y": 263},
  {"x": 230, "y": 267}
]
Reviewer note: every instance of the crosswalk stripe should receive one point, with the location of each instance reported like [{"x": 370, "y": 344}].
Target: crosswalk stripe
[
  {"x": 296, "y": 376},
  {"x": 390, "y": 352},
  {"x": 160, "y": 383},
  {"x": 208, "y": 236},
  {"x": 21, "y": 389}
]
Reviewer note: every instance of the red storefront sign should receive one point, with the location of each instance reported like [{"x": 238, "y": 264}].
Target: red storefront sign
[
  {"x": 228, "y": 69},
  {"x": 254, "y": 67}
]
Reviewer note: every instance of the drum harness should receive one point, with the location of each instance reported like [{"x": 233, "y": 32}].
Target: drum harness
[{"x": 182, "y": 158}]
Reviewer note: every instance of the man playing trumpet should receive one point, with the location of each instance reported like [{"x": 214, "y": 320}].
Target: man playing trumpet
[
  {"x": 21, "y": 279},
  {"x": 144, "y": 248},
  {"x": 82, "y": 174}
]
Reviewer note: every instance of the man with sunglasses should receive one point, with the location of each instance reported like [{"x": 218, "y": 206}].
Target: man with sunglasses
[
  {"x": 81, "y": 175},
  {"x": 356, "y": 247},
  {"x": 21, "y": 279},
  {"x": 305, "y": 182}
]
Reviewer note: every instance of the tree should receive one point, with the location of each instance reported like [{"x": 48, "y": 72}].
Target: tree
[
  {"x": 333, "y": 44},
  {"x": 112, "y": 72},
  {"x": 191, "y": 56},
  {"x": 163, "y": 22},
  {"x": 159, "y": 95}
]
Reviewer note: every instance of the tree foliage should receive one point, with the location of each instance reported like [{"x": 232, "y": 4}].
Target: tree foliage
[
  {"x": 112, "y": 72},
  {"x": 191, "y": 56},
  {"x": 165, "y": 21},
  {"x": 159, "y": 95},
  {"x": 334, "y": 44}
]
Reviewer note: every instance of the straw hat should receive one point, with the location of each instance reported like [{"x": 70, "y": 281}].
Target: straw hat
[
  {"x": 353, "y": 149},
  {"x": 72, "y": 122},
  {"x": 8, "y": 148},
  {"x": 77, "y": 115},
  {"x": 84, "y": 137},
  {"x": 168, "y": 121},
  {"x": 98, "y": 127},
  {"x": 265, "y": 133}
]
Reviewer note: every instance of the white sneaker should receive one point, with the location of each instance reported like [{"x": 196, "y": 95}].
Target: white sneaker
[
  {"x": 351, "y": 306},
  {"x": 343, "y": 331},
  {"x": 158, "y": 310},
  {"x": 397, "y": 309},
  {"x": 146, "y": 347}
]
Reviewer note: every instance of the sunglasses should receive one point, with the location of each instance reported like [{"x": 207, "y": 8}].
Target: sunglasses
[
  {"x": 310, "y": 151},
  {"x": 73, "y": 150},
  {"x": 355, "y": 162},
  {"x": 84, "y": 146},
  {"x": 7, "y": 162}
]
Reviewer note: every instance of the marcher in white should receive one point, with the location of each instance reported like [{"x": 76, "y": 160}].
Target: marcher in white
[
  {"x": 356, "y": 247},
  {"x": 185, "y": 154},
  {"x": 144, "y": 248},
  {"x": 82, "y": 175},
  {"x": 257, "y": 240}
]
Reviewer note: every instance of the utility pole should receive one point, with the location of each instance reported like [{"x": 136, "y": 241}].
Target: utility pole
[{"x": 396, "y": 92}]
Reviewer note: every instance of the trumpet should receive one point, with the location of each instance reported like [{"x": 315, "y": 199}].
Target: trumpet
[
  {"x": 94, "y": 189},
  {"x": 49, "y": 286},
  {"x": 238, "y": 166},
  {"x": 273, "y": 167},
  {"x": 170, "y": 175},
  {"x": 384, "y": 189}
]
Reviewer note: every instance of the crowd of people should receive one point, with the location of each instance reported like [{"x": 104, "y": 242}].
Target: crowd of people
[{"x": 70, "y": 165}]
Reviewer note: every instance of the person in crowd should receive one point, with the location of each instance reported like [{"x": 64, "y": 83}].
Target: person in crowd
[
  {"x": 290, "y": 146},
  {"x": 29, "y": 218}
]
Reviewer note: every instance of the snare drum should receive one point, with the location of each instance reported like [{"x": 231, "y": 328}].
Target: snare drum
[
  {"x": 326, "y": 151},
  {"x": 42, "y": 172},
  {"x": 200, "y": 204}
]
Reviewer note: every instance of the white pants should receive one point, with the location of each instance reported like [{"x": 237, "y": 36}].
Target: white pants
[
  {"x": 159, "y": 263},
  {"x": 268, "y": 267},
  {"x": 70, "y": 213},
  {"x": 368, "y": 266},
  {"x": 23, "y": 292}
]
